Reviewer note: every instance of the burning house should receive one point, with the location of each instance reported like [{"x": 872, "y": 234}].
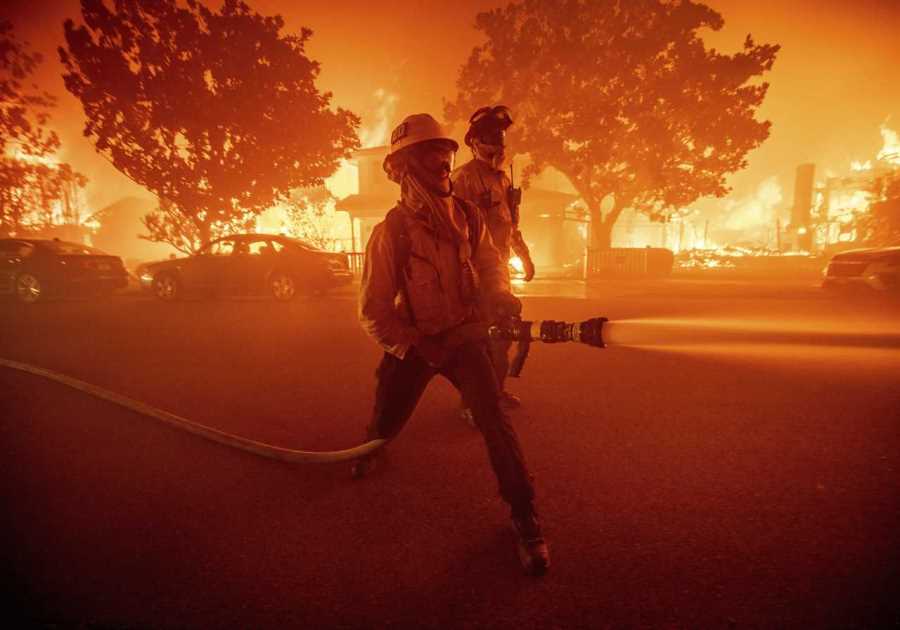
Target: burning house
[
  {"x": 374, "y": 197},
  {"x": 838, "y": 201}
]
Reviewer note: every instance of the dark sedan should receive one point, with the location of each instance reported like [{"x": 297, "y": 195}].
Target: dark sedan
[
  {"x": 35, "y": 269},
  {"x": 248, "y": 264},
  {"x": 875, "y": 268}
]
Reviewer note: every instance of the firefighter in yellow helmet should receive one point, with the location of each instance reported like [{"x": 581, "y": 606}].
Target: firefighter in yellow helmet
[
  {"x": 483, "y": 181},
  {"x": 430, "y": 267}
]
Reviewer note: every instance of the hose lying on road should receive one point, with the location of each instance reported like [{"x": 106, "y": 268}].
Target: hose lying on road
[
  {"x": 227, "y": 439},
  {"x": 589, "y": 332}
]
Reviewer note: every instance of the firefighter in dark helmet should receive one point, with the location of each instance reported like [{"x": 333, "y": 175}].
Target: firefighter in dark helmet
[{"x": 484, "y": 182}]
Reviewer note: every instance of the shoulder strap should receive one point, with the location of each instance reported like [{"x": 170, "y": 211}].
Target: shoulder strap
[
  {"x": 399, "y": 235},
  {"x": 474, "y": 220}
]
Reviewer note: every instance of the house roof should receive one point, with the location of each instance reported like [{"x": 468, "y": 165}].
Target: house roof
[
  {"x": 371, "y": 152},
  {"x": 377, "y": 205},
  {"x": 551, "y": 199},
  {"x": 367, "y": 205}
]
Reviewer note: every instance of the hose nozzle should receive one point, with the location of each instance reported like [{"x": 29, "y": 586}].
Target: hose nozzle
[{"x": 589, "y": 332}]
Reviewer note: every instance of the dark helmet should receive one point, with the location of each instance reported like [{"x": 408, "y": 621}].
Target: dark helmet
[{"x": 488, "y": 125}]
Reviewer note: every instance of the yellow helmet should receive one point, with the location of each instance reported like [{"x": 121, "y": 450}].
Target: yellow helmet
[{"x": 413, "y": 130}]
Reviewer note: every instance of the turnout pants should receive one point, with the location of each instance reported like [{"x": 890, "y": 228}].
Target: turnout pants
[
  {"x": 499, "y": 352},
  {"x": 400, "y": 384}
]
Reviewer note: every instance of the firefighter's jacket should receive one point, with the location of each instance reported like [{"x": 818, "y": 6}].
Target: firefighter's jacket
[
  {"x": 478, "y": 182},
  {"x": 433, "y": 283}
]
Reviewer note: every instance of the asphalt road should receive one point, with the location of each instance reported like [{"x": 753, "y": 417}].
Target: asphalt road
[{"x": 734, "y": 464}]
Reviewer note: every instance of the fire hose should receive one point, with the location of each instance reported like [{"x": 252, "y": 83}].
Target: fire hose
[{"x": 548, "y": 331}]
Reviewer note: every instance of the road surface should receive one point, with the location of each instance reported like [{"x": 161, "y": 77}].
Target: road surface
[{"x": 741, "y": 473}]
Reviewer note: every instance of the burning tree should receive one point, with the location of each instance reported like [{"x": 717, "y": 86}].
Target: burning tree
[
  {"x": 622, "y": 97},
  {"x": 24, "y": 135},
  {"x": 36, "y": 190},
  {"x": 310, "y": 216},
  {"x": 217, "y": 113},
  {"x": 23, "y": 112},
  {"x": 880, "y": 224}
]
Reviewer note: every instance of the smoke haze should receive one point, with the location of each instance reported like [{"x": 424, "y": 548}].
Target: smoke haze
[{"x": 832, "y": 88}]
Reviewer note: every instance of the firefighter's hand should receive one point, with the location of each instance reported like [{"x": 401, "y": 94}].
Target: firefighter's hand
[
  {"x": 529, "y": 268},
  {"x": 433, "y": 351},
  {"x": 502, "y": 305}
]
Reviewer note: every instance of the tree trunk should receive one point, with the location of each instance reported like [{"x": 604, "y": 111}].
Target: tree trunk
[
  {"x": 601, "y": 232},
  {"x": 602, "y": 227},
  {"x": 204, "y": 232}
]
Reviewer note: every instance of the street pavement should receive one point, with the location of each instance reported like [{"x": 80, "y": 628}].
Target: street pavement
[{"x": 732, "y": 462}]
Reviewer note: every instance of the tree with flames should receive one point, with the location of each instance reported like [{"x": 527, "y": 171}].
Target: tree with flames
[
  {"x": 217, "y": 113},
  {"x": 24, "y": 133},
  {"x": 309, "y": 215},
  {"x": 36, "y": 190},
  {"x": 879, "y": 226},
  {"x": 622, "y": 97}
]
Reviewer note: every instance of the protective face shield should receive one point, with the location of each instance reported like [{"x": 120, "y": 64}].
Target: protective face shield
[
  {"x": 487, "y": 133},
  {"x": 432, "y": 162},
  {"x": 495, "y": 152}
]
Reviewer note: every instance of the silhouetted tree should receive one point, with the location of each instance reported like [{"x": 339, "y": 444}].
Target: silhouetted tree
[
  {"x": 170, "y": 224},
  {"x": 622, "y": 97},
  {"x": 217, "y": 113}
]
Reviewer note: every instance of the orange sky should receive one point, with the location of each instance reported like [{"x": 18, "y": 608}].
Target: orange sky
[{"x": 834, "y": 83}]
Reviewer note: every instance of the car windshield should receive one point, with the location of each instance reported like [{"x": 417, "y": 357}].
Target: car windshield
[{"x": 65, "y": 248}]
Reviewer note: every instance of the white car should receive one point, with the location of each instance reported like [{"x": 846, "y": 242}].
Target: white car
[{"x": 877, "y": 268}]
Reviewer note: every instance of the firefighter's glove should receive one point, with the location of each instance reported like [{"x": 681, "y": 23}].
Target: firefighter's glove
[
  {"x": 529, "y": 268},
  {"x": 503, "y": 305},
  {"x": 431, "y": 349}
]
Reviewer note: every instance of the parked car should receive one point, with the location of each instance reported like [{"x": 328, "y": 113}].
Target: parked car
[
  {"x": 247, "y": 264},
  {"x": 35, "y": 269},
  {"x": 876, "y": 268}
]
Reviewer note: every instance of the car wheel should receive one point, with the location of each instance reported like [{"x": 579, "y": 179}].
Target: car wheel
[
  {"x": 166, "y": 287},
  {"x": 28, "y": 288},
  {"x": 282, "y": 286}
]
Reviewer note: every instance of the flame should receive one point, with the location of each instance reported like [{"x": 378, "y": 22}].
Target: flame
[
  {"x": 861, "y": 166},
  {"x": 890, "y": 150},
  {"x": 844, "y": 203},
  {"x": 756, "y": 210},
  {"x": 344, "y": 181},
  {"x": 377, "y": 134},
  {"x": 22, "y": 156}
]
